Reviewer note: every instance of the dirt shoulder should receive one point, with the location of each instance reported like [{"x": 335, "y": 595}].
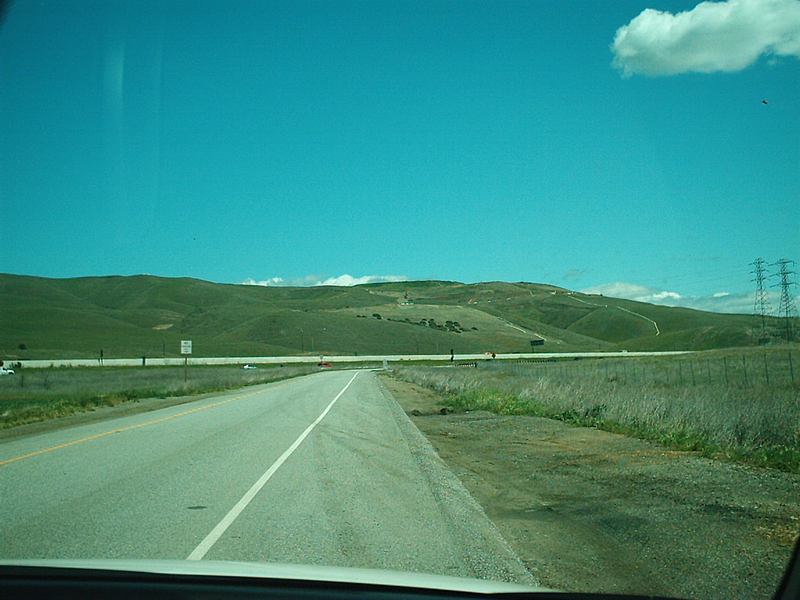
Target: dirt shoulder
[{"x": 592, "y": 511}]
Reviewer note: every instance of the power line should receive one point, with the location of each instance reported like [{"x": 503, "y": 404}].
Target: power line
[
  {"x": 761, "y": 306},
  {"x": 787, "y": 307}
]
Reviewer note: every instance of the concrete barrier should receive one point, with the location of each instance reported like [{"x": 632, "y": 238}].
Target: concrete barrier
[{"x": 286, "y": 360}]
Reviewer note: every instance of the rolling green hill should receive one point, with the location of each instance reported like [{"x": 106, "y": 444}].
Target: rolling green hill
[{"x": 145, "y": 315}]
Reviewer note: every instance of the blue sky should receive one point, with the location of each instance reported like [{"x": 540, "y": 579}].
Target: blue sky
[{"x": 620, "y": 146}]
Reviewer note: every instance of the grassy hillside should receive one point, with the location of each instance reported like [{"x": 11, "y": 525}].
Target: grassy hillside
[{"x": 148, "y": 316}]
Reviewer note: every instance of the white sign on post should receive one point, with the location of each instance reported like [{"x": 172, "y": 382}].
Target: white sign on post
[{"x": 186, "y": 346}]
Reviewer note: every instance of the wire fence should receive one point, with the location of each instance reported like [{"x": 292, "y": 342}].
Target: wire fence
[{"x": 768, "y": 369}]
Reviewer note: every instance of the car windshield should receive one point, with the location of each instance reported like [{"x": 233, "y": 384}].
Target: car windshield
[{"x": 501, "y": 290}]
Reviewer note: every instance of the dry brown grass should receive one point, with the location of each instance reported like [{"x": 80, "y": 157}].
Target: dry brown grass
[{"x": 752, "y": 420}]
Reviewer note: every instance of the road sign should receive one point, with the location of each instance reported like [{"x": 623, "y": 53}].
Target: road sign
[{"x": 186, "y": 346}]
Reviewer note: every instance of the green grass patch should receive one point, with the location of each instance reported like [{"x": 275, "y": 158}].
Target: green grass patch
[{"x": 43, "y": 394}]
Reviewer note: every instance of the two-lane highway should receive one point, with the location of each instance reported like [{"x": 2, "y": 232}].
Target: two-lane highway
[{"x": 322, "y": 470}]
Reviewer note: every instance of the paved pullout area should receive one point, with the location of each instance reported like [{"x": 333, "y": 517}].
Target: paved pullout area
[{"x": 588, "y": 510}]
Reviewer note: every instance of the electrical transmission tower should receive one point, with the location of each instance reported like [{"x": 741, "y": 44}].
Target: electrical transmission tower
[
  {"x": 761, "y": 307},
  {"x": 787, "y": 308}
]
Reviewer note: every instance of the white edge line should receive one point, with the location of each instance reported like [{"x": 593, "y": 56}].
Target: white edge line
[{"x": 204, "y": 546}]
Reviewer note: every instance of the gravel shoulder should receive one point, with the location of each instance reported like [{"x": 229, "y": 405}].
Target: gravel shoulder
[{"x": 592, "y": 511}]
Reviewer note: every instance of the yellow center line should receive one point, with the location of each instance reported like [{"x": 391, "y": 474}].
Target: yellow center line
[{"x": 98, "y": 435}]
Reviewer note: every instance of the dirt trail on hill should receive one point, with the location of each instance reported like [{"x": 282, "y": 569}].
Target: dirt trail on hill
[{"x": 592, "y": 511}]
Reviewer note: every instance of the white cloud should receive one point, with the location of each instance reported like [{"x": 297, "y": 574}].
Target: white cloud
[
  {"x": 348, "y": 280},
  {"x": 267, "y": 282},
  {"x": 308, "y": 280},
  {"x": 664, "y": 296},
  {"x": 630, "y": 291},
  {"x": 723, "y": 302},
  {"x": 314, "y": 280},
  {"x": 713, "y": 36}
]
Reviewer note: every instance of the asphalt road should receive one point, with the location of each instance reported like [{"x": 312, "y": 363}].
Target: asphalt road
[{"x": 323, "y": 470}]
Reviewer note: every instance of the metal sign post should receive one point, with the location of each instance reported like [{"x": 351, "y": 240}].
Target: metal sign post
[{"x": 186, "y": 350}]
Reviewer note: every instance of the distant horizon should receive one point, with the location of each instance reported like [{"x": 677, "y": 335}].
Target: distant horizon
[{"x": 724, "y": 303}]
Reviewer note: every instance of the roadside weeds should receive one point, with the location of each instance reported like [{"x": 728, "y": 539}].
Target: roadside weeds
[
  {"x": 754, "y": 425},
  {"x": 592, "y": 511}
]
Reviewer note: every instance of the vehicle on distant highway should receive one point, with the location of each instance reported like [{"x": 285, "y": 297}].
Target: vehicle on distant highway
[
  {"x": 324, "y": 364},
  {"x": 248, "y": 366},
  {"x": 4, "y": 371}
]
